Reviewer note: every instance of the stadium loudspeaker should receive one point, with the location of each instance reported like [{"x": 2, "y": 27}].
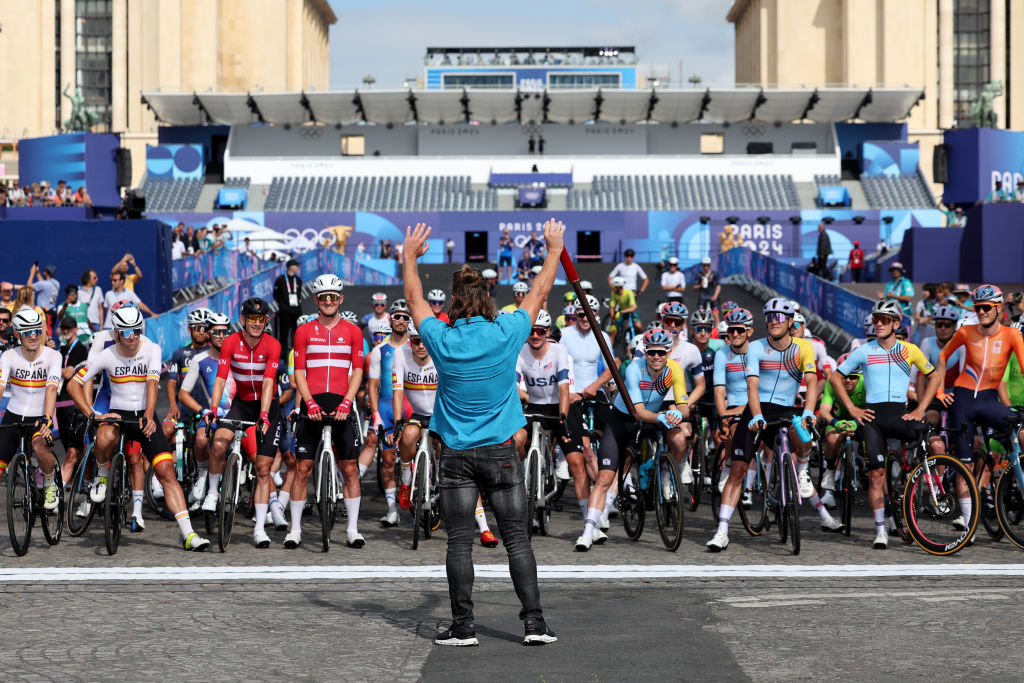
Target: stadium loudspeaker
[
  {"x": 476, "y": 247},
  {"x": 940, "y": 163},
  {"x": 760, "y": 148},
  {"x": 588, "y": 245},
  {"x": 123, "y": 158}
]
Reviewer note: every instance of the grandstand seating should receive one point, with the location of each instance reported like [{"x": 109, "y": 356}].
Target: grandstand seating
[
  {"x": 172, "y": 194},
  {"x": 238, "y": 182},
  {"x": 664, "y": 192},
  {"x": 908, "y": 191},
  {"x": 392, "y": 193},
  {"x": 825, "y": 179}
]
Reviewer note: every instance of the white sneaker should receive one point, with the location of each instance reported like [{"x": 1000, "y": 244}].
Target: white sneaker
[
  {"x": 804, "y": 481},
  {"x": 137, "y": 524},
  {"x": 277, "y": 515},
  {"x": 83, "y": 509},
  {"x": 390, "y": 519},
  {"x": 210, "y": 502},
  {"x": 686, "y": 475},
  {"x": 158, "y": 488},
  {"x": 98, "y": 489},
  {"x": 599, "y": 537},
  {"x": 828, "y": 480},
  {"x": 604, "y": 523},
  {"x": 718, "y": 542},
  {"x": 828, "y": 500},
  {"x": 278, "y": 479},
  {"x": 832, "y": 525},
  {"x": 562, "y": 470},
  {"x": 354, "y": 539},
  {"x": 260, "y": 538},
  {"x": 583, "y": 543},
  {"x": 293, "y": 540},
  {"x": 959, "y": 523},
  {"x": 881, "y": 539},
  {"x": 747, "y": 501},
  {"x": 199, "y": 488}
]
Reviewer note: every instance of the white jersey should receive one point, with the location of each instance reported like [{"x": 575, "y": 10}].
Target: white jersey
[
  {"x": 114, "y": 300},
  {"x": 419, "y": 383},
  {"x": 129, "y": 377},
  {"x": 99, "y": 341},
  {"x": 541, "y": 377},
  {"x": 688, "y": 356},
  {"x": 376, "y": 325},
  {"x": 633, "y": 273},
  {"x": 28, "y": 380},
  {"x": 676, "y": 279},
  {"x": 588, "y": 363}
]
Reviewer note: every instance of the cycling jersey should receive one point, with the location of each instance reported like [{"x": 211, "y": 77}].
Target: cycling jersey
[
  {"x": 510, "y": 308},
  {"x": 374, "y": 324},
  {"x": 101, "y": 340},
  {"x": 730, "y": 371},
  {"x": 585, "y": 352},
  {"x": 986, "y": 357},
  {"x": 418, "y": 382},
  {"x": 623, "y": 300},
  {"x": 707, "y": 360},
  {"x": 541, "y": 377},
  {"x": 779, "y": 373},
  {"x": 1014, "y": 382},
  {"x": 202, "y": 371},
  {"x": 689, "y": 358},
  {"x": 249, "y": 365},
  {"x": 886, "y": 373},
  {"x": 177, "y": 365},
  {"x": 930, "y": 348},
  {"x": 820, "y": 357},
  {"x": 651, "y": 391},
  {"x": 328, "y": 355},
  {"x": 129, "y": 376},
  {"x": 839, "y": 412},
  {"x": 382, "y": 360},
  {"x": 28, "y": 380}
]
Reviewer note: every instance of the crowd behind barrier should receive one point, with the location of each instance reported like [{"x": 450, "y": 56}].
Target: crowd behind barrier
[{"x": 195, "y": 270}]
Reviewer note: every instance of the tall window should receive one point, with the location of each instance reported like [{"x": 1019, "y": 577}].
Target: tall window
[
  {"x": 57, "y": 80},
  {"x": 93, "y": 42},
  {"x": 971, "y": 56}
]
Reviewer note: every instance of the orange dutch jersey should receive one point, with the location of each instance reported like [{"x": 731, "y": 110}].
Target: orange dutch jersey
[{"x": 986, "y": 356}]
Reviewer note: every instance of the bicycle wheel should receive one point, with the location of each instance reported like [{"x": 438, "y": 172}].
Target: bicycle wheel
[
  {"x": 755, "y": 518},
  {"x": 78, "y": 493},
  {"x": 113, "y": 504},
  {"x": 931, "y": 522},
  {"x": 228, "y": 503},
  {"x": 20, "y": 513},
  {"x": 792, "y": 511},
  {"x": 325, "y": 497},
  {"x": 988, "y": 516},
  {"x": 714, "y": 473},
  {"x": 157, "y": 505},
  {"x": 777, "y": 504},
  {"x": 896, "y": 483},
  {"x": 546, "y": 481},
  {"x": 379, "y": 457},
  {"x": 53, "y": 522},
  {"x": 846, "y": 490},
  {"x": 531, "y": 483},
  {"x": 1010, "y": 506},
  {"x": 431, "y": 518},
  {"x": 693, "y": 490},
  {"x": 669, "y": 503},
  {"x": 630, "y": 499},
  {"x": 418, "y": 496}
]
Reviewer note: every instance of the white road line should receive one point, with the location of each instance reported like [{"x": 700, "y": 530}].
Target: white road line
[{"x": 499, "y": 571}]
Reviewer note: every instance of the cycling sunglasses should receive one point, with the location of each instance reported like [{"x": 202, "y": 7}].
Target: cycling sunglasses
[
  {"x": 879, "y": 319},
  {"x": 539, "y": 331},
  {"x": 569, "y": 318},
  {"x": 32, "y": 334},
  {"x": 256, "y": 318},
  {"x": 376, "y": 304},
  {"x": 657, "y": 353},
  {"x": 131, "y": 334},
  {"x": 401, "y": 318},
  {"x": 736, "y": 330},
  {"x": 328, "y": 297},
  {"x": 220, "y": 332},
  {"x": 434, "y": 302},
  {"x": 703, "y": 329},
  {"x": 672, "y": 322},
  {"x": 983, "y": 308},
  {"x": 415, "y": 341},
  {"x": 775, "y": 318},
  {"x": 943, "y": 324}
]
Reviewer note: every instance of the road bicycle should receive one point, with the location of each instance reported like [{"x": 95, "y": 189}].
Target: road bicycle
[
  {"x": 326, "y": 490},
  {"x": 25, "y": 493},
  {"x": 539, "y": 470},
  {"x": 649, "y": 480},
  {"x": 425, "y": 494},
  {"x": 117, "y": 502},
  {"x": 186, "y": 468},
  {"x": 1009, "y": 494},
  {"x": 701, "y": 458},
  {"x": 782, "y": 495},
  {"x": 237, "y": 474}
]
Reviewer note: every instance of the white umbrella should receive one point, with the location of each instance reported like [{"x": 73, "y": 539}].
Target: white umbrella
[
  {"x": 265, "y": 234},
  {"x": 300, "y": 243}
]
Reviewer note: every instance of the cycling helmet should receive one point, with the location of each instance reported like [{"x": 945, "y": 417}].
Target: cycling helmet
[
  {"x": 255, "y": 306},
  {"x": 215, "y": 319},
  {"x": 26, "y": 320},
  {"x": 303, "y": 319},
  {"x": 723, "y": 327},
  {"x": 503, "y": 312},
  {"x": 780, "y": 305},
  {"x": 435, "y": 295},
  {"x": 595, "y": 305},
  {"x": 657, "y": 337},
  {"x": 674, "y": 308},
  {"x": 329, "y": 283},
  {"x": 520, "y": 288},
  {"x": 199, "y": 316},
  {"x": 536, "y": 270},
  {"x": 585, "y": 285},
  {"x": 399, "y": 306},
  {"x": 869, "y": 324},
  {"x": 349, "y": 316},
  {"x": 543, "y": 319},
  {"x": 636, "y": 346},
  {"x": 701, "y": 317},
  {"x": 569, "y": 297},
  {"x": 569, "y": 310},
  {"x": 384, "y": 328},
  {"x": 799, "y": 319},
  {"x": 489, "y": 274},
  {"x": 945, "y": 313},
  {"x": 618, "y": 281},
  {"x": 970, "y": 318},
  {"x": 730, "y": 306},
  {"x": 987, "y": 294},
  {"x": 901, "y": 332},
  {"x": 740, "y": 316},
  {"x": 842, "y": 359},
  {"x": 889, "y": 307},
  {"x": 653, "y": 325},
  {"x": 125, "y": 319},
  {"x": 413, "y": 332},
  {"x": 379, "y": 298}
]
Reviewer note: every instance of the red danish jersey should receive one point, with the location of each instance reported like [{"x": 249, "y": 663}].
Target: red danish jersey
[
  {"x": 249, "y": 365},
  {"x": 327, "y": 356}
]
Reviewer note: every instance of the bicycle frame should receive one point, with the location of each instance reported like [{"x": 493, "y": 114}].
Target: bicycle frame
[{"x": 326, "y": 450}]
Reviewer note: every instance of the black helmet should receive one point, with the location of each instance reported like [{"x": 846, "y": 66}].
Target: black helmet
[{"x": 255, "y": 306}]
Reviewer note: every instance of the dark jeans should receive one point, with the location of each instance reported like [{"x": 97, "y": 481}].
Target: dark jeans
[
  {"x": 856, "y": 273},
  {"x": 494, "y": 471}
]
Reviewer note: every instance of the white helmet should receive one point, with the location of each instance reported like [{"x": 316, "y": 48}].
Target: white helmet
[
  {"x": 328, "y": 282},
  {"x": 520, "y": 288},
  {"x": 437, "y": 295},
  {"x": 199, "y": 316},
  {"x": 490, "y": 274},
  {"x": 723, "y": 328},
  {"x": 543, "y": 319},
  {"x": 383, "y": 328},
  {"x": 945, "y": 312},
  {"x": 889, "y": 307},
  {"x": 413, "y": 332},
  {"x": 869, "y": 324},
  {"x": 27, "y": 319},
  {"x": 569, "y": 310},
  {"x": 349, "y": 316},
  {"x": 970, "y": 318},
  {"x": 215, "y": 319},
  {"x": 780, "y": 305},
  {"x": 126, "y": 318},
  {"x": 585, "y": 285},
  {"x": 536, "y": 270},
  {"x": 595, "y": 305},
  {"x": 799, "y": 319},
  {"x": 636, "y": 346},
  {"x": 303, "y": 319},
  {"x": 618, "y": 281}
]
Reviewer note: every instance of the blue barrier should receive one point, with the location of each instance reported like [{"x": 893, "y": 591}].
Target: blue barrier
[
  {"x": 830, "y": 301},
  {"x": 193, "y": 270}
]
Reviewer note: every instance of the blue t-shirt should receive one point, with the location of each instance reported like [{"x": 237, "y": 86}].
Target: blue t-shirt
[
  {"x": 731, "y": 373},
  {"x": 901, "y": 287},
  {"x": 477, "y": 399},
  {"x": 46, "y": 293}
]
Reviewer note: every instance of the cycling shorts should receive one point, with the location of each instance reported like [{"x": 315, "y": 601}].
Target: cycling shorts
[
  {"x": 888, "y": 423},
  {"x": 970, "y": 411},
  {"x": 249, "y": 411},
  {"x": 504, "y": 261},
  {"x": 155, "y": 445},
  {"x": 618, "y": 433},
  {"x": 568, "y": 436},
  {"x": 10, "y": 438},
  {"x": 386, "y": 410},
  {"x": 72, "y": 428},
  {"x": 743, "y": 438},
  {"x": 343, "y": 437}
]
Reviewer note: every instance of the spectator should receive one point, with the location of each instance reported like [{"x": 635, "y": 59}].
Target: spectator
[
  {"x": 385, "y": 249},
  {"x": 81, "y": 197},
  {"x": 666, "y": 251},
  {"x": 246, "y": 247},
  {"x": 7, "y": 340},
  {"x": 398, "y": 252},
  {"x": 77, "y": 310},
  {"x": 504, "y": 256},
  {"x": 191, "y": 243},
  {"x": 287, "y": 293},
  {"x": 177, "y": 249},
  {"x": 899, "y": 288},
  {"x": 633, "y": 272},
  {"x": 63, "y": 193},
  {"x": 998, "y": 194},
  {"x": 856, "y": 261},
  {"x": 923, "y": 312},
  {"x": 450, "y": 248},
  {"x": 204, "y": 240},
  {"x": 673, "y": 281},
  {"x": 7, "y": 295},
  {"x": 360, "y": 252},
  {"x": 962, "y": 297},
  {"x": 708, "y": 288},
  {"x": 823, "y": 251},
  {"x": 531, "y": 145},
  {"x": 118, "y": 295},
  {"x": 1018, "y": 194},
  {"x": 1015, "y": 306},
  {"x": 47, "y": 289},
  {"x": 881, "y": 247},
  {"x": 219, "y": 238},
  {"x": 540, "y": 144},
  {"x": 16, "y": 195},
  {"x": 26, "y": 298},
  {"x": 178, "y": 233},
  {"x": 89, "y": 291},
  {"x": 532, "y": 251},
  {"x": 122, "y": 267},
  {"x": 523, "y": 272}
]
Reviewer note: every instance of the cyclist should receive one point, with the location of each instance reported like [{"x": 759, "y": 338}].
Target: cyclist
[
  {"x": 730, "y": 382},
  {"x": 379, "y": 396},
  {"x": 673, "y": 321},
  {"x": 623, "y": 309},
  {"x": 328, "y": 373},
  {"x": 544, "y": 372},
  {"x": 251, "y": 357},
  {"x": 838, "y": 424},
  {"x": 701, "y": 327},
  {"x": 374, "y": 321},
  {"x": 437, "y": 298},
  {"x": 944, "y": 319},
  {"x": 885, "y": 364},
  {"x": 133, "y": 365},
  {"x": 414, "y": 379},
  {"x": 32, "y": 372},
  {"x": 200, "y": 340},
  {"x": 71, "y": 423},
  {"x": 775, "y": 367},
  {"x": 519, "y": 291}
]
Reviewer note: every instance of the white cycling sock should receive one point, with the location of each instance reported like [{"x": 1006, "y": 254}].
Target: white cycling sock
[
  {"x": 273, "y": 497},
  {"x": 965, "y": 509},
  {"x": 751, "y": 476},
  {"x": 362, "y": 469},
  {"x": 295, "y": 506},
  {"x": 406, "y": 473},
  {"x": 801, "y": 464},
  {"x": 352, "y": 507},
  {"x": 103, "y": 470},
  {"x": 609, "y": 500},
  {"x": 481, "y": 519},
  {"x": 724, "y": 515},
  {"x": 879, "y": 518},
  {"x": 136, "y": 503},
  {"x": 284, "y": 497},
  {"x": 213, "y": 481},
  {"x": 184, "y": 523},
  {"x": 593, "y": 517},
  {"x": 391, "y": 497},
  {"x": 261, "y": 514},
  {"x": 820, "y": 507}
]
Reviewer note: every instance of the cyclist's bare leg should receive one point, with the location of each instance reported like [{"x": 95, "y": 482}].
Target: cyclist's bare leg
[
  {"x": 580, "y": 481},
  {"x": 44, "y": 456},
  {"x": 521, "y": 437}
]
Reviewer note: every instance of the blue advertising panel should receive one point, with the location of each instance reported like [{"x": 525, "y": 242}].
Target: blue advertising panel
[
  {"x": 78, "y": 159},
  {"x": 978, "y": 157},
  {"x": 889, "y": 158}
]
